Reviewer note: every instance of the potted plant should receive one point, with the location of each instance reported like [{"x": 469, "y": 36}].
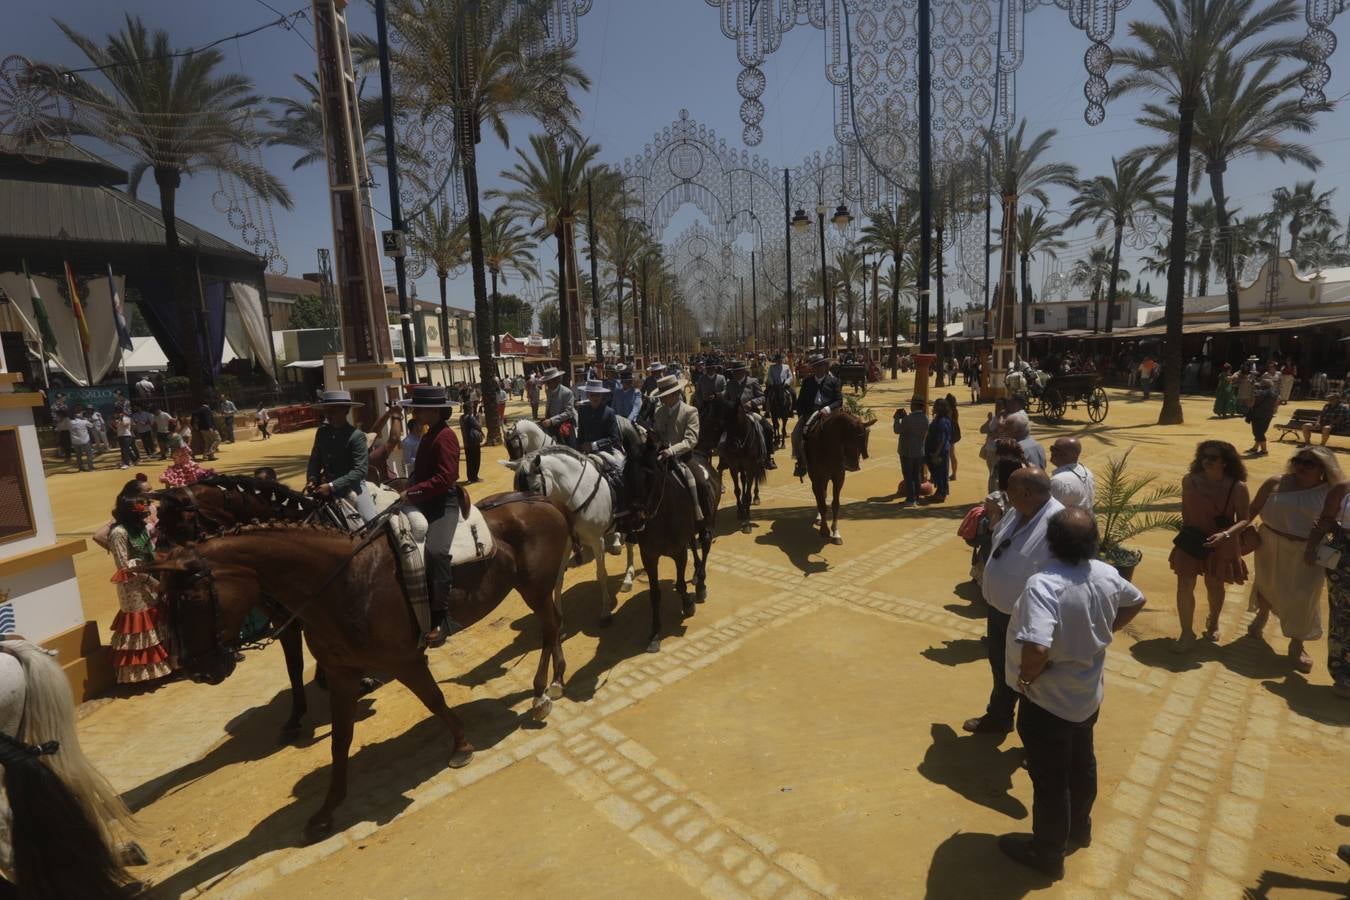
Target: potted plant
[{"x": 1124, "y": 506}]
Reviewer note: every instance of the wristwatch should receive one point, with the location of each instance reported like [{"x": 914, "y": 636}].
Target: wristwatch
[{"x": 1022, "y": 684}]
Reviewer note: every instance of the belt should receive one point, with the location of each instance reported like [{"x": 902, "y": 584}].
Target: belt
[{"x": 1283, "y": 534}]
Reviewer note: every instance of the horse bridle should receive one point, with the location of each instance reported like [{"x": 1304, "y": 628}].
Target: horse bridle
[
  {"x": 538, "y": 470},
  {"x": 515, "y": 444}
]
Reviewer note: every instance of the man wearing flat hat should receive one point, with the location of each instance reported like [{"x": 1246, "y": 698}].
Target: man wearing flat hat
[
  {"x": 676, "y": 425},
  {"x": 431, "y": 495},
  {"x": 597, "y": 425},
  {"x": 626, "y": 400},
  {"x": 338, "y": 463},
  {"x": 560, "y": 407},
  {"x": 655, "y": 372},
  {"x": 742, "y": 390},
  {"x": 712, "y": 384},
  {"x": 821, "y": 395}
]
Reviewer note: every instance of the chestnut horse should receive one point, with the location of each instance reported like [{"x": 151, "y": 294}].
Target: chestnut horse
[
  {"x": 778, "y": 403},
  {"x": 833, "y": 448},
  {"x": 740, "y": 449},
  {"x": 346, "y": 592}
]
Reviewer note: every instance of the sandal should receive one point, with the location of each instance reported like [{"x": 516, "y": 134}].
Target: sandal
[
  {"x": 1303, "y": 663},
  {"x": 1184, "y": 644}
]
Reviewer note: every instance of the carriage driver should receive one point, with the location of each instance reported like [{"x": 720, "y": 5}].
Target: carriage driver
[
  {"x": 676, "y": 426},
  {"x": 742, "y": 390},
  {"x": 431, "y": 496},
  {"x": 339, "y": 460},
  {"x": 560, "y": 408},
  {"x": 821, "y": 395}
]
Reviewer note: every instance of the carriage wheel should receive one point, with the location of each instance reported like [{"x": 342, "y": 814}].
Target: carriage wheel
[
  {"x": 1052, "y": 405},
  {"x": 1097, "y": 404}
]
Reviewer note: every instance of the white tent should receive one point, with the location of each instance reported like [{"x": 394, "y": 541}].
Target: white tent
[{"x": 146, "y": 356}]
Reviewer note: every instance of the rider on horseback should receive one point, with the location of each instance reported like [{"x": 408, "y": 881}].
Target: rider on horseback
[
  {"x": 598, "y": 434},
  {"x": 675, "y": 424},
  {"x": 340, "y": 458},
  {"x": 821, "y": 395},
  {"x": 431, "y": 495},
  {"x": 626, "y": 399},
  {"x": 560, "y": 409},
  {"x": 744, "y": 392},
  {"x": 710, "y": 385}
]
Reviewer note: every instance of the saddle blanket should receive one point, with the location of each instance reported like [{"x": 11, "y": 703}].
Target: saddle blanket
[{"x": 472, "y": 542}]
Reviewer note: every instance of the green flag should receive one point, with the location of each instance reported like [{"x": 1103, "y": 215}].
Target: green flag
[{"x": 40, "y": 311}]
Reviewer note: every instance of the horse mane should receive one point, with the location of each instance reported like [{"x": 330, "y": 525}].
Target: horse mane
[
  {"x": 257, "y": 527},
  {"x": 273, "y": 491},
  {"x": 49, "y": 715}
]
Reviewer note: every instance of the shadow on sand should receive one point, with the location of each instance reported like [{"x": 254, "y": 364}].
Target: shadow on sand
[
  {"x": 975, "y": 767},
  {"x": 969, "y": 864}
]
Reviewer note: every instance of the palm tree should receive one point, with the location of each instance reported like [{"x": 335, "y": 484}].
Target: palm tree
[
  {"x": 892, "y": 231},
  {"x": 848, "y": 270},
  {"x": 1098, "y": 269},
  {"x": 1033, "y": 234},
  {"x": 1173, "y": 59},
  {"x": 1018, "y": 169},
  {"x": 1133, "y": 188},
  {"x": 481, "y": 61},
  {"x": 1204, "y": 222},
  {"x": 175, "y": 114},
  {"x": 550, "y": 190},
  {"x": 1238, "y": 116},
  {"x": 506, "y": 248},
  {"x": 623, "y": 242},
  {"x": 1304, "y": 207},
  {"x": 444, "y": 242},
  {"x": 1319, "y": 248}
]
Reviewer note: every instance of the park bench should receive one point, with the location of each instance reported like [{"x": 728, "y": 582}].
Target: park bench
[{"x": 1303, "y": 417}]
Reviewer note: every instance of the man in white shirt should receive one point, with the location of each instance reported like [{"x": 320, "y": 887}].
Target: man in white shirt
[
  {"x": 1017, "y": 426},
  {"x": 1056, "y": 656},
  {"x": 164, "y": 426},
  {"x": 1019, "y": 552},
  {"x": 145, "y": 388},
  {"x": 81, "y": 441},
  {"x": 1071, "y": 483}
]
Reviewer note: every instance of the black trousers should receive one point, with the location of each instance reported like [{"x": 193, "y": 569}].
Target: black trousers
[
  {"x": 1002, "y": 699},
  {"x": 473, "y": 455},
  {"x": 1063, "y": 768}
]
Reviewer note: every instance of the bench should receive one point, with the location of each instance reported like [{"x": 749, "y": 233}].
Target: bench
[{"x": 1303, "y": 417}]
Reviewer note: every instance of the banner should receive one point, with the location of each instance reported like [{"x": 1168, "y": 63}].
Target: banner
[
  {"x": 76, "y": 309},
  {"x": 119, "y": 313},
  {"x": 44, "y": 333}
]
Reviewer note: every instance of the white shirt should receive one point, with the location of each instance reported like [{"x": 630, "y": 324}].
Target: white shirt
[
  {"x": 1021, "y": 554},
  {"x": 123, "y": 424},
  {"x": 1073, "y": 485},
  {"x": 780, "y": 373},
  {"x": 163, "y": 422},
  {"x": 79, "y": 431},
  {"x": 1069, "y": 609}
]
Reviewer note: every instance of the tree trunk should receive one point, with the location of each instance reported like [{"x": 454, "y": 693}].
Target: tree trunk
[
  {"x": 189, "y": 323},
  {"x": 1096, "y": 306},
  {"x": 941, "y": 333},
  {"x": 1025, "y": 259},
  {"x": 1115, "y": 274},
  {"x": 898, "y": 255},
  {"x": 848, "y": 300},
  {"x": 496, "y": 315},
  {"x": 1295, "y": 226},
  {"x": 483, "y": 313},
  {"x": 618, "y": 306},
  {"x": 441, "y": 276},
  {"x": 1216, "y": 171},
  {"x": 564, "y": 313},
  {"x": 1171, "y": 413}
]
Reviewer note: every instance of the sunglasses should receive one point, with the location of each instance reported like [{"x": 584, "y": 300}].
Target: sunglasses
[
  {"x": 1307, "y": 462},
  {"x": 1003, "y": 545}
]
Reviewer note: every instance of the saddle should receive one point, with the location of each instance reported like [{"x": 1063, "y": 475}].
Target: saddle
[{"x": 472, "y": 543}]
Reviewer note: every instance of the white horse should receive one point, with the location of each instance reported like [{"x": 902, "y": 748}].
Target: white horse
[
  {"x": 524, "y": 437},
  {"x": 575, "y": 480},
  {"x": 36, "y": 707}
]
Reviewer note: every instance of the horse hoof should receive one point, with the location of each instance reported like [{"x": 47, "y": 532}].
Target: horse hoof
[
  {"x": 686, "y": 606},
  {"x": 555, "y": 691},
  {"x": 745, "y": 528},
  {"x": 317, "y": 830},
  {"x": 700, "y": 593},
  {"x": 606, "y": 619},
  {"x": 654, "y": 646},
  {"x": 289, "y": 734},
  {"x": 460, "y": 758},
  {"x": 836, "y": 539},
  {"x": 541, "y": 708},
  {"x": 626, "y": 586},
  {"x": 755, "y": 501},
  {"x": 817, "y": 522},
  {"x": 368, "y": 684}
]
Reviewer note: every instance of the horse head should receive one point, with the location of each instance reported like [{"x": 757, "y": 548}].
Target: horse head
[
  {"x": 207, "y": 605},
  {"x": 852, "y": 434},
  {"x": 180, "y": 518}
]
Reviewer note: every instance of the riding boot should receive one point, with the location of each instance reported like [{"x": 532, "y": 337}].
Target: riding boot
[{"x": 442, "y": 580}]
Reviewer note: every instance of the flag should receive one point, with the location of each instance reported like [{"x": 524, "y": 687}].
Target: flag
[
  {"x": 45, "y": 333},
  {"x": 76, "y": 309},
  {"x": 119, "y": 313}
]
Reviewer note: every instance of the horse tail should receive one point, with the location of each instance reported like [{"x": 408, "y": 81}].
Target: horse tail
[
  {"x": 59, "y": 850},
  {"x": 49, "y": 715}
]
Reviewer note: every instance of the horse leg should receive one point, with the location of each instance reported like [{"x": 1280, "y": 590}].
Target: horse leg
[
  {"x": 555, "y": 690},
  {"x": 818, "y": 488},
  {"x": 343, "y": 685},
  {"x": 292, "y": 647},
  {"x": 417, "y": 678},
  {"x": 550, "y": 622},
  {"x": 651, "y": 562},
  {"x": 607, "y": 602},
  {"x": 628, "y": 572},
  {"x": 834, "y": 513},
  {"x": 681, "y": 588}
]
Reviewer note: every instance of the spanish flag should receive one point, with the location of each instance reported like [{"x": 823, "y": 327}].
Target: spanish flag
[{"x": 76, "y": 309}]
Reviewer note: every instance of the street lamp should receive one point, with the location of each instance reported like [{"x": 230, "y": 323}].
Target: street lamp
[
  {"x": 841, "y": 217},
  {"x": 799, "y": 221}
]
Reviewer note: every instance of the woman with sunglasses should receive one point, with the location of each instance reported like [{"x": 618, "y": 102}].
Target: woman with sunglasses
[
  {"x": 1286, "y": 581},
  {"x": 1214, "y": 499},
  {"x": 1335, "y": 523}
]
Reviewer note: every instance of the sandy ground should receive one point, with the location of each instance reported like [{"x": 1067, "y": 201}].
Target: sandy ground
[{"x": 800, "y": 735}]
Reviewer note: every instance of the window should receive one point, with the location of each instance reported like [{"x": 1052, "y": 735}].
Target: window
[
  {"x": 1038, "y": 316},
  {"x": 1078, "y": 316},
  {"x": 16, "y": 509}
]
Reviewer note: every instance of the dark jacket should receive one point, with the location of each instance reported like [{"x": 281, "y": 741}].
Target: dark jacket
[
  {"x": 472, "y": 430},
  {"x": 597, "y": 425},
  {"x": 340, "y": 457},
  {"x": 435, "y": 470}
]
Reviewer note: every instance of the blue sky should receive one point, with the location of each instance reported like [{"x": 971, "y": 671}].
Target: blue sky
[{"x": 647, "y": 60}]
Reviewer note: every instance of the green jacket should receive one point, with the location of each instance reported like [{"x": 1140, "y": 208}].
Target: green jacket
[{"x": 340, "y": 456}]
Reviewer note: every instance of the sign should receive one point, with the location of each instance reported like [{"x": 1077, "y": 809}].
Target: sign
[
  {"x": 102, "y": 398},
  {"x": 395, "y": 244}
]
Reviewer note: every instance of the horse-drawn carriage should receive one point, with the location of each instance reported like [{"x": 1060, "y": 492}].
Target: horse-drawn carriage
[
  {"x": 852, "y": 374},
  {"x": 1052, "y": 395}
]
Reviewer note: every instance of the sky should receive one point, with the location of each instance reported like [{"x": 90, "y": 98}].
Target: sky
[{"x": 647, "y": 60}]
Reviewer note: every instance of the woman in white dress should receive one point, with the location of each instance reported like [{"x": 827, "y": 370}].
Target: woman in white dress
[{"x": 1286, "y": 581}]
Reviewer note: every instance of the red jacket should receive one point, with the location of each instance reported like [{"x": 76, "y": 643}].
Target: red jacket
[{"x": 437, "y": 466}]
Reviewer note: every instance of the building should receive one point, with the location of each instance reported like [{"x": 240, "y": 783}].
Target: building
[
  {"x": 284, "y": 290},
  {"x": 1054, "y": 316},
  {"x": 427, "y": 324}
]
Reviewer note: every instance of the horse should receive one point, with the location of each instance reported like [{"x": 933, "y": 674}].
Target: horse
[
  {"x": 670, "y": 527},
  {"x": 576, "y": 481},
  {"x": 778, "y": 401},
  {"x": 740, "y": 448},
  {"x": 346, "y": 592},
  {"x": 524, "y": 437},
  {"x": 833, "y": 448},
  {"x": 66, "y": 817}
]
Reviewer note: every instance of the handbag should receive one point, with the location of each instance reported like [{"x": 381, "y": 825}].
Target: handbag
[
  {"x": 1328, "y": 557},
  {"x": 1191, "y": 541},
  {"x": 970, "y": 525},
  {"x": 1249, "y": 540}
]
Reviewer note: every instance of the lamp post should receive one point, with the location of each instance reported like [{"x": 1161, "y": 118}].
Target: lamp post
[
  {"x": 824, "y": 282},
  {"x": 799, "y": 223},
  {"x": 841, "y": 219},
  {"x": 788, "y": 222}
]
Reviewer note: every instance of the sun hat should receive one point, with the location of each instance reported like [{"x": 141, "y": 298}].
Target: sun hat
[
  {"x": 667, "y": 385},
  {"x": 594, "y": 386},
  {"x": 550, "y": 373},
  {"x": 816, "y": 359},
  {"x": 656, "y": 367},
  {"x": 427, "y": 396},
  {"x": 335, "y": 398}
]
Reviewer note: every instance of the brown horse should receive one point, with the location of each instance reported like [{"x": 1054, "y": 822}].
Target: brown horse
[
  {"x": 778, "y": 401},
  {"x": 740, "y": 449},
  {"x": 346, "y": 592},
  {"x": 671, "y": 528},
  {"x": 833, "y": 448}
]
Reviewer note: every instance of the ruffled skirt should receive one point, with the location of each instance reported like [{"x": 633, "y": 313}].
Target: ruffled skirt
[{"x": 140, "y": 646}]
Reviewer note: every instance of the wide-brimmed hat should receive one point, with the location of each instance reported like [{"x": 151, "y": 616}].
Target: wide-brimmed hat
[
  {"x": 737, "y": 366},
  {"x": 816, "y": 359},
  {"x": 778, "y": 357},
  {"x": 668, "y": 385},
  {"x": 656, "y": 367},
  {"x": 625, "y": 374},
  {"x": 427, "y": 396},
  {"x": 594, "y": 386},
  {"x": 550, "y": 373},
  {"x": 335, "y": 398}
]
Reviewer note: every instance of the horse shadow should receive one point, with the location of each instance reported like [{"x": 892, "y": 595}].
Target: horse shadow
[
  {"x": 381, "y": 775},
  {"x": 797, "y": 538},
  {"x": 975, "y": 767},
  {"x": 969, "y": 864},
  {"x": 250, "y": 736},
  {"x": 1283, "y": 881},
  {"x": 1310, "y": 701},
  {"x": 627, "y": 634}
]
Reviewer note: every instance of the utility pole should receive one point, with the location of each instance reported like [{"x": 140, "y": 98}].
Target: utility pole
[
  {"x": 787, "y": 248},
  {"x": 595, "y": 277},
  {"x": 754, "y": 302},
  {"x": 925, "y": 22}
]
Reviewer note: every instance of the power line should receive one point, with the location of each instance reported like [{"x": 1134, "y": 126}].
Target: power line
[{"x": 290, "y": 28}]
